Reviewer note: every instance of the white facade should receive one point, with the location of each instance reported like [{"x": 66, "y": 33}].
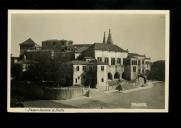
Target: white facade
[
  {"x": 78, "y": 74},
  {"x": 110, "y": 54},
  {"x": 102, "y": 75}
]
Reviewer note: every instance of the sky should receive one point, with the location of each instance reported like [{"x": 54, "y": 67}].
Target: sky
[{"x": 139, "y": 33}]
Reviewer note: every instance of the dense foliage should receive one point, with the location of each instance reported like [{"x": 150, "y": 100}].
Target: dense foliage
[{"x": 157, "y": 71}]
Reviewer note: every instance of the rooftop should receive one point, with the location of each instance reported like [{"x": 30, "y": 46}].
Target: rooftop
[
  {"x": 81, "y": 62},
  {"x": 28, "y": 42},
  {"x": 56, "y": 40},
  {"x": 107, "y": 47},
  {"x": 81, "y": 47},
  {"x": 135, "y": 55}
]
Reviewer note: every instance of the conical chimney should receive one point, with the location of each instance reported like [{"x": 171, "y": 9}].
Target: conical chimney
[
  {"x": 109, "y": 38},
  {"x": 104, "y": 38}
]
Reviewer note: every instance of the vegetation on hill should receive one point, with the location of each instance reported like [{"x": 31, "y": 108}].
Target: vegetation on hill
[{"x": 157, "y": 71}]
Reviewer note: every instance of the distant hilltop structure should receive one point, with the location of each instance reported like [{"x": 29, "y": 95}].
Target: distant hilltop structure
[{"x": 106, "y": 60}]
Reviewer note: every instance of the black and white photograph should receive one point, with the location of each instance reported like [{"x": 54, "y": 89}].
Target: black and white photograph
[{"x": 76, "y": 61}]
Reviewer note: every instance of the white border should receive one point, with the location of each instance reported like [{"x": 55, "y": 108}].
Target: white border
[{"x": 65, "y": 110}]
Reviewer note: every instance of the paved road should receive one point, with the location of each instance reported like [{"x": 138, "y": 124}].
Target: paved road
[{"x": 152, "y": 98}]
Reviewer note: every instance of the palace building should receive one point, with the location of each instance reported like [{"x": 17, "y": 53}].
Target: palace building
[{"x": 93, "y": 65}]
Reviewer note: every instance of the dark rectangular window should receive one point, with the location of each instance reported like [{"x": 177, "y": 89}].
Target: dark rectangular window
[
  {"x": 142, "y": 61},
  {"x": 84, "y": 68},
  {"x": 102, "y": 79},
  {"x": 138, "y": 62},
  {"x": 119, "y": 60},
  {"x": 134, "y": 69},
  {"x": 77, "y": 68},
  {"x": 107, "y": 60},
  {"x": 102, "y": 68},
  {"x": 99, "y": 59},
  {"x": 126, "y": 61},
  {"x": 134, "y": 62},
  {"x": 112, "y": 61}
]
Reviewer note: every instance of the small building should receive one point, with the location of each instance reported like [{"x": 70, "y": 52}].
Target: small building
[
  {"x": 28, "y": 44},
  {"x": 83, "y": 73},
  {"x": 54, "y": 44},
  {"x": 79, "y": 48},
  {"x": 136, "y": 64}
]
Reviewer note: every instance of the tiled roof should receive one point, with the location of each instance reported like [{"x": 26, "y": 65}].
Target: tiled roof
[
  {"x": 135, "y": 55},
  {"x": 81, "y": 47},
  {"x": 77, "y": 62},
  {"x": 107, "y": 47},
  {"x": 147, "y": 58},
  {"x": 28, "y": 42},
  {"x": 81, "y": 62},
  {"x": 56, "y": 40}
]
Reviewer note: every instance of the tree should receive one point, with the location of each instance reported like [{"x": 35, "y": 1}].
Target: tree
[
  {"x": 157, "y": 71},
  {"x": 16, "y": 71}
]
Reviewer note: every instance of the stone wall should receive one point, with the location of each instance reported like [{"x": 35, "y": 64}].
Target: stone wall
[{"x": 35, "y": 91}]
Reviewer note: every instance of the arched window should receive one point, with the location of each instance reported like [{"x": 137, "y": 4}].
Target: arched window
[
  {"x": 116, "y": 75},
  {"x": 109, "y": 76}
]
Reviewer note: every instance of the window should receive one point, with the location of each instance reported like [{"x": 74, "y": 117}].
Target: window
[
  {"x": 142, "y": 61},
  {"x": 126, "y": 61},
  {"x": 119, "y": 60},
  {"x": 102, "y": 79},
  {"x": 134, "y": 62},
  {"x": 84, "y": 68},
  {"x": 107, "y": 60},
  {"x": 102, "y": 68},
  {"x": 76, "y": 80},
  {"x": 109, "y": 76},
  {"x": 138, "y": 62},
  {"x": 77, "y": 68},
  {"x": 99, "y": 59},
  {"x": 134, "y": 69},
  {"x": 112, "y": 61},
  {"x": 78, "y": 77},
  {"x": 147, "y": 65},
  {"x": 116, "y": 75}
]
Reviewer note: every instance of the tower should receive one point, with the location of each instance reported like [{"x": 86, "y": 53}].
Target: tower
[
  {"x": 104, "y": 38},
  {"x": 109, "y": 38}
]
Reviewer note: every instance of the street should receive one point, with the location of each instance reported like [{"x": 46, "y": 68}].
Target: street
[{"x": 151, "y": 98}]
